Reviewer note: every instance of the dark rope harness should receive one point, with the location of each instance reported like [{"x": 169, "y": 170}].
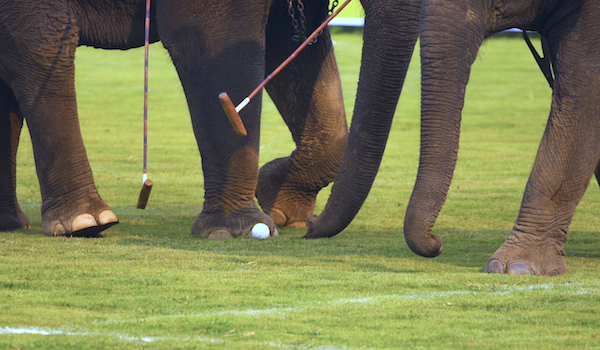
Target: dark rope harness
[{"x": 545, "y": 63}]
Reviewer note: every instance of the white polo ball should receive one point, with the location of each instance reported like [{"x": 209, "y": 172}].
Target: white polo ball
[{"x": 260, "y": 231}]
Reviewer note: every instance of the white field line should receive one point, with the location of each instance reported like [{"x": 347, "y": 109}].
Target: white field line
[
  {"x": 40, "y": 331},
  {"x": 572, "y": 288},
  {"x": 578, "y": 288}
]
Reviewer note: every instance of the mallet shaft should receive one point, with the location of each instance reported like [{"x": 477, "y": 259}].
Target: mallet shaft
[
  {"x": 232, "y": 112},
  {"x": 147, "y": 183}
]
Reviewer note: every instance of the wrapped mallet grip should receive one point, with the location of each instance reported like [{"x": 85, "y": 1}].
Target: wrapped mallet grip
[
  {"x": 232, "y": 114},
  {"x": 144, "y": 194}
]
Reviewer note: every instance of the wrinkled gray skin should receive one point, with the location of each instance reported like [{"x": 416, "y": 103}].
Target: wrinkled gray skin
[
  {"x": 390, "y": 34},
  {"x": 216, "y": 46},
  {"x": 451, "y": 33}
]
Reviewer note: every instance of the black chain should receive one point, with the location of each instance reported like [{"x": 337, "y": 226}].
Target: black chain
[
  {"x": 302, "y": 21},
  {"x": 292, "y": 14},
  {"x": 333, "y": 6},
  {"x": 300, "y": 25}
]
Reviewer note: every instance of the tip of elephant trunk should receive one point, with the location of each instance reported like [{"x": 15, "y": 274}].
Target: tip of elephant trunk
[
  {"x": 316, "y": 230},
  {"x": 430, "y": 247}
]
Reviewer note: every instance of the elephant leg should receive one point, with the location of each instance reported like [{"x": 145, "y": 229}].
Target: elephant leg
[
  {"x": 597, "y": 173},
  {"x": 566, "y": 160},
  {"x": 308, "y": 95},
  {"x": 217, "y": 50},
  {"x": 564, "y": 165},
  {"x": 11, "y": 122},
  {"x": 71, "y": 205},
  {"x": 39, "y": 68}
]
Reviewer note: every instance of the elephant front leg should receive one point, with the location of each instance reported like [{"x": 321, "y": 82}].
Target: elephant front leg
[
  {"x": 230, "y": 167},
  {"x": 566, "y": 160},
  {"x": 560, "y": 176},
  {"x": 11, "y": 122},
  {"x": 229, "y": 180},
  {"x": 45, "y": 89},
  {"x": 38, "y": 67},
  {"x": 557, "y": 183},
  {"x": 217, "y": 50},
  {"x": 71, "y": 205},
  {"x": 308, "y": 95}
]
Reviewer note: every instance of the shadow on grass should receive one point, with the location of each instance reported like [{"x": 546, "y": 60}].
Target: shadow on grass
[
  {"x": 168, "y": 227},
  {"x": 583, "y": 255},
  {"x": 463, "y": 248},
  {"x": 382, "y": 268}
]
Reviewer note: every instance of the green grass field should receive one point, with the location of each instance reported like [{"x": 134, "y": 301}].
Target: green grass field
[{"x": 148, "y": 284}]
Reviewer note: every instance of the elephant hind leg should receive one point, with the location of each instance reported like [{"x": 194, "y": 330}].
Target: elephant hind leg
[
  {"x": 11, "y": 122},
  {"x": 308, "y": 95}
]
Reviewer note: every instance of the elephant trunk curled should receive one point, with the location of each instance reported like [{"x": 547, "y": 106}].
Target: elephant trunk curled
[
  {"x": 450, "y": 38},
  {"x": 390, "y": 33}
]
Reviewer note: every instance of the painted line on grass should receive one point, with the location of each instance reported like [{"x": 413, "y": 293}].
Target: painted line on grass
[
  {"x": 40, "y": 331},
  {"x": 147, "y": 339},
  {"x": 577, "y": 289},
  {"x": 22, "y": 330}
]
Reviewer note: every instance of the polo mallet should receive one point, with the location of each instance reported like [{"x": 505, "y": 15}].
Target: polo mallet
[
  {"x": 232, "y": 112},
  {"x": 146, "y": 182}
]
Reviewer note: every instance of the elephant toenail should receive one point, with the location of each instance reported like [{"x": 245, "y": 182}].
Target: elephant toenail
[
  {"x": 519, "y": 268},
  {"x": 297, "y": 224},
  {"x": 494, "y": 266},
  {"x": 24, "y": 220},
  {"x": 83, "y": 221},
  {"x": 220, "y": 234},
  {"x": 107, "y": 217},
  {"x": 59, "y": 230},
  {"x": 278, "y": 217}
]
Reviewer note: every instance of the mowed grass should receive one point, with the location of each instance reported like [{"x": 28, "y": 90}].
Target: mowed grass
[{"x": 148, "y": 284}]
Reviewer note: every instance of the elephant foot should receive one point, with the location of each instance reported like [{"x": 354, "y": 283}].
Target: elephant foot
[
  {"x": 280, "y": 217},
  {"x": 526, "y": 254},
  {"x": 239, "y": 223},
  {"x": 13, "y": 220},
  {"x": 86, "y": 219},
  {"x": 9, "y": 222},
  {"x": 287, "y": 202}
]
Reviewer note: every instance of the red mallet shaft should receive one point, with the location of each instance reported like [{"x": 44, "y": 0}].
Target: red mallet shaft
[
  {"x": 147, "y": 183},
  {"x": 233, "y": 112}
]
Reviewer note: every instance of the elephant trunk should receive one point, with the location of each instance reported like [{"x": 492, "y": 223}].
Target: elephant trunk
[
  {"x": 390, "y": 33},
  {"x": 451, "y": 34}
]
